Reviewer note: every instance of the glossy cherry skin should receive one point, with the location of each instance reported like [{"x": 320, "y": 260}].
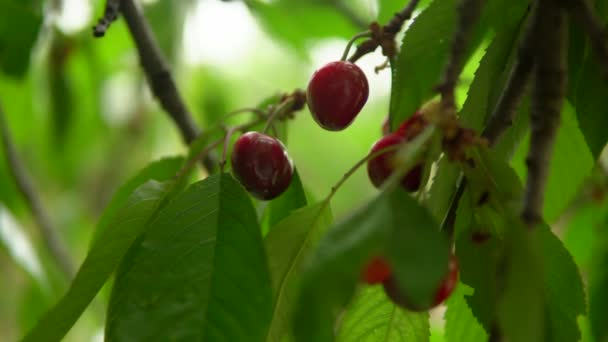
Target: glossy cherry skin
[
  {"x": 382, "y": 166},
  {"x": 260, "y": 162},
  {"x": 449, "y": 282},
  {"x": 445, "y": 289},
  {"x": 336, "y": 93},
  {"x": 409, "y": 128},
  {"x": 376, "y": 271}
]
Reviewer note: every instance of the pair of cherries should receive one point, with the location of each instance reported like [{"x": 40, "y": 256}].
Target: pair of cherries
[
  {"x": 378, "y": 271},
  {"x": 335, "y": 95}
]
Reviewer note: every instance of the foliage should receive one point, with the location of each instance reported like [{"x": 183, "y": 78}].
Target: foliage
[{"x": 169, "y": 252}]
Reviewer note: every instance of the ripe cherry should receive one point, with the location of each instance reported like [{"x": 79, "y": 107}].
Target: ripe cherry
[
  {"x": 382, "y": 166},
  {"x": 411, "y": 127},
  {"x": 376, "y": 271},
  {"x": 260, "y": 162},
  {"x": 449, "y": 282},
  {"x": 445, "y": 289},
  {"x": 336, "y": 93}
]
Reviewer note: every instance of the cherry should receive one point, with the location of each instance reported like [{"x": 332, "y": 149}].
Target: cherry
[
  {"x": 445, "y": 289},
  {"x": 449, "y": 282},
  {"x": 260, "y": 162},
  {"x": 409, "y": 128},
  {"x": 336, "y": 93},
  {"x": 376, "y": 271},
  {"x": 382, "y": 166}
]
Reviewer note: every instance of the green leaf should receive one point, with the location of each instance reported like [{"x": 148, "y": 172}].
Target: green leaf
[
  {"x": 416, "y": 248},
  {"x": 425, "y": 47},
  {"x": 288, "y": 245},
  {"x": 563, "y": 288},
  {"x": 443, "y": 188},
  {"x": 598, "y": 297},
  {"x": 480, "y": 102},
  {"x": 427, "y": 39},
  {"x": 490, "y": 77},
  {"x": 297, "y": 23},
  {"x": 591, "y": 104},
  {"x": 393, "y": 224},
  {"x": 589, "y": 89},
  {"x": 481, "y": 276},
  {"x": 160, "y": 170},
  {"x": 582, "y": 232},
  {"x": 104, "y": 256},
  {"x": 521, "y": 273},
  {"x": 460, "y": 324},
  {"x": 19, "y": 246},
  {"x": 373, "y": 317},
  {"x": 199, "y": 273},
  {"x": 18, "y": 32},
  {"x": 560, "y": 285},
  {"x": 281, "y": 207},
  {"x": 570, "y": 165}
]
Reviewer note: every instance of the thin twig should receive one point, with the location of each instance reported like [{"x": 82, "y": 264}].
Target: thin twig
[
  {"x": 159, "y": 77},
  {"x": 111, "y": 12},
  {"x": 397, "y": 21},
  {"x": 468, "y": 13},
  {"x": 515, "y": 87},
  {"x": 449, "y": 220},
  {"x": 582, "y": 11},
  {"x": 385, "y": 34},
  {"x": 352, "y": 40},
  {"x": 201, "y": 154},
  {"x": 502, "y": 115},
  {"x": 49, "y": 232},
  {"x": 280, "y": 110},
  {"x": 549, "y": 89},
  {"x": 356, "y": 167}
]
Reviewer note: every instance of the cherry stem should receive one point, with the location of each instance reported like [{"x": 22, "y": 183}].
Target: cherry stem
[
  {"x": 360, "y": 163},
  {"x": 259, "y": 112},
  {"x": 280, "y": 110},
  {"x": 192, "y": 161},
  {"x": 364, "y": 34},
  {"x": 229, "y": 133}
]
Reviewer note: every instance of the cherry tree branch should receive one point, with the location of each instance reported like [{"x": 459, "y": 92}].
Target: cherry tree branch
[
  {"x": 515, "y": 87},
  {"x": 156, "y": 68},
  {"x": 111, "y": 12},
  {"x": 49, "y": 232},
  {"x": 549, "y": 89},
  {"x": 468, "y": 13},
  {"x": 386, "y": 33},
  {"x": 504, "y": 111}
]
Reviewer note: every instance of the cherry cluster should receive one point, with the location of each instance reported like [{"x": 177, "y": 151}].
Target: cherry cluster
[{"x": 335, "y": 95}]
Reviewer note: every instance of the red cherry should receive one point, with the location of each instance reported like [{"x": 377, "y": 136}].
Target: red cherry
[
  {"x": 411, "y": 127},
  {"x": 260, "y": 162},
  {"x": 336, "y": 93},
  {"x": 382, "y": 166},
  {"x": 449, "y": 282},
  {"x": 446, "y": 288},
  {"x": 376, "y": 271}
]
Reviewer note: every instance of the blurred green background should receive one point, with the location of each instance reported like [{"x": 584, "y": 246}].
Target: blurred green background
[{"x": 84, "y": 120}]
